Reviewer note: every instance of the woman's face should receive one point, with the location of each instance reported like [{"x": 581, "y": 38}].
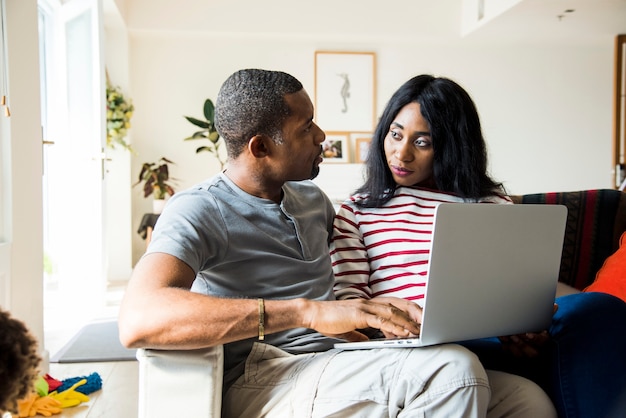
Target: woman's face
[{"x": 409, "y": 148}]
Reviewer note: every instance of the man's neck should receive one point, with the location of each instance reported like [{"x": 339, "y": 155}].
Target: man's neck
[{"x": 254, "y": 184}]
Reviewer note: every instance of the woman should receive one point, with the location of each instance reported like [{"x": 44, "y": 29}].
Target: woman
[{"x": 428, "y": 148}]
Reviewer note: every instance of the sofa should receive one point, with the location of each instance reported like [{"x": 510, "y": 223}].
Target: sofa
[{"x": 174, "y": 381}]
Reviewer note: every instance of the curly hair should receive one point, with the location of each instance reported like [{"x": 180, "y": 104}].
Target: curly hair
[
  {"x": 252, "y": 102},
  {"x": 460, "y": 160},
  {"x": 19, "y": 362}
]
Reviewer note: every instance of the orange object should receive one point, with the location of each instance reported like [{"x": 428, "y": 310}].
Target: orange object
[{"x": 611, "y": 278}]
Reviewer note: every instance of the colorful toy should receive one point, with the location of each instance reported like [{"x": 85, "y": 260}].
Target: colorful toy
[
  {"x": 93, "y": 383},
  {"x": 34, "y": 404},
  {"x": 65, "y": 394},
  {"x": 53, "y": 384},
  {"x": 70, "y": 397}
]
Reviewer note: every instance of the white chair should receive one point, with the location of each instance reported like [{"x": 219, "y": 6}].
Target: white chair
[{"x": 176, "y": 383}]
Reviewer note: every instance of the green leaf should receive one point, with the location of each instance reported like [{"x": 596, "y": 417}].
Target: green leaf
[
  {"x": 214, "y": 136},
  {"x": 204, "y": 148},
  {"x": 199, "y": 123},
  {"x": 209, "y": 111},
  {"x": 200, "y": 134}
]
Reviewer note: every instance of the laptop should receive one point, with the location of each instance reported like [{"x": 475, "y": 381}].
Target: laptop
[{"x": 493, "y": 272}]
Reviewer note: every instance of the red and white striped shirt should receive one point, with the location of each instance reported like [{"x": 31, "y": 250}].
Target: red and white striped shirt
[{"x": 384, "y": 251}]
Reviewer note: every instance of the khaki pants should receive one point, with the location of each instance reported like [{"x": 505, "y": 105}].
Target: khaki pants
[{"x": 439, "y": 381}]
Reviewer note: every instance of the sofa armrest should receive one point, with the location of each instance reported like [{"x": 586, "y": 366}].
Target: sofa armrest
[
  {"x": 595, "y": 222},
  {"x": 563, "y": 289},
  {"x": 174, "y": 381}
]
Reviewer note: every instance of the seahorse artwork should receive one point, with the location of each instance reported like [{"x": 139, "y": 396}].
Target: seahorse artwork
[{"x": 345, "y": 91}]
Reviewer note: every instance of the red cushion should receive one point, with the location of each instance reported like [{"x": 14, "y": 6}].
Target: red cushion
[{"x": 611, "y": 278}]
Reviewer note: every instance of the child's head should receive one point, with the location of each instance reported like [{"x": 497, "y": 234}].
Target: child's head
[{"x": 19, "y": 361}]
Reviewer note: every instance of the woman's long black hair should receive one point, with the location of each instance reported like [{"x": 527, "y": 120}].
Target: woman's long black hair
[{"x": 460, "y": 152}]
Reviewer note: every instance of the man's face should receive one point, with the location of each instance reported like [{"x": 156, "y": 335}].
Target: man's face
[{"x": 300, "y": 152}]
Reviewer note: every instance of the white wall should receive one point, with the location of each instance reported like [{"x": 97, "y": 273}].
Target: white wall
[
  {"x": 546, "y": 109},
  {"x": 118, "y": 224}
]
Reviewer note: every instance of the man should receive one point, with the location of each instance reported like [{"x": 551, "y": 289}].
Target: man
[{"x": 252, "y": 246}]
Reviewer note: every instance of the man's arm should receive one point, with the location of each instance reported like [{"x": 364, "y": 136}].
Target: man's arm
[{"x": 159, "y": 311}]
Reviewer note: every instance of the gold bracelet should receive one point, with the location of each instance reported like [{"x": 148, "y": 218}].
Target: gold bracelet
[{"x": 261, "y": 319}]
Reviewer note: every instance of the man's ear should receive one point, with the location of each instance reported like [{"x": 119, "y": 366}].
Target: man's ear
[{"x": 258, "y": 146}]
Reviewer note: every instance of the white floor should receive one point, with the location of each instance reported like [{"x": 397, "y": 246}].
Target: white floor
[{"x": 64, "y": 316}]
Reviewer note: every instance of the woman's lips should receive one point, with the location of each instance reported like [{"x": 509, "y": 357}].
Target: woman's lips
[{"x": 399, "y": 171}]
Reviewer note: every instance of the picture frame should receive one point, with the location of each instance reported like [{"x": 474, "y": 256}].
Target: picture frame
[
  {"x": 361, "y": 147},
  {"x": 345, "y": 91},
  {"x": 335, "y": 148}
]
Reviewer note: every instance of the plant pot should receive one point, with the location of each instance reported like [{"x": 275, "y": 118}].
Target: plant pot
[{"x": 158, "y": 205}]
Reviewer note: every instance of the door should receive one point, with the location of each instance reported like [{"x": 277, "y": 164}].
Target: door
[
  {"x": 73, "y": 112},
  {"x": 5, "y": 245}
]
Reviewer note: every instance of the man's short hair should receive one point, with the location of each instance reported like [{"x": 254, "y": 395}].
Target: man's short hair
[{"x": 251, "y": 102}]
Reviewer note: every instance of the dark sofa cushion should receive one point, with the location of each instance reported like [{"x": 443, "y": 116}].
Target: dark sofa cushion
[{"x": 596, "y": 219}]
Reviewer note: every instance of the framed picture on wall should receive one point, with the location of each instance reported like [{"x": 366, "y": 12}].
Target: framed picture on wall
[
  {"x": 335, "y": 148},
  {"x": 361, "y": 147},
  {"x": 345, "y": 91}
]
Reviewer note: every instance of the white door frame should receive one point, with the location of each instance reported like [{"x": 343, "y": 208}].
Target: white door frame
[{"x": 22, "y": 169}]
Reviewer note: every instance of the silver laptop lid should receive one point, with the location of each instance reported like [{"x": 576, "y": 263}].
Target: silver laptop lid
[{"x": 493, "y": 270}]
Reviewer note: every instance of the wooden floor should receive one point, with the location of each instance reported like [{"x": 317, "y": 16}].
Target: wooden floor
[{"x": 116, "y": 399}]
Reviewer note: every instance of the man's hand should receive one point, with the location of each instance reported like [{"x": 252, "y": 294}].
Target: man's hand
[{"x": 342, "y": 318}]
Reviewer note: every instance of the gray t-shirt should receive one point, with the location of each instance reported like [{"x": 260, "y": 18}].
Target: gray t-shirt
[{"x": 242, "y": 246}]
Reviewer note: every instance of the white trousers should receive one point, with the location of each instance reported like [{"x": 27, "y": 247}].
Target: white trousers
[{"x": 438, "y": 381}]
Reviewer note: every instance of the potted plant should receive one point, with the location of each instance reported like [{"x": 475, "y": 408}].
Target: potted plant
[
  {"x": 156, "y": 182},
  {"x": 119, "y": 112},
  {"x": 207, "y": 132}
]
